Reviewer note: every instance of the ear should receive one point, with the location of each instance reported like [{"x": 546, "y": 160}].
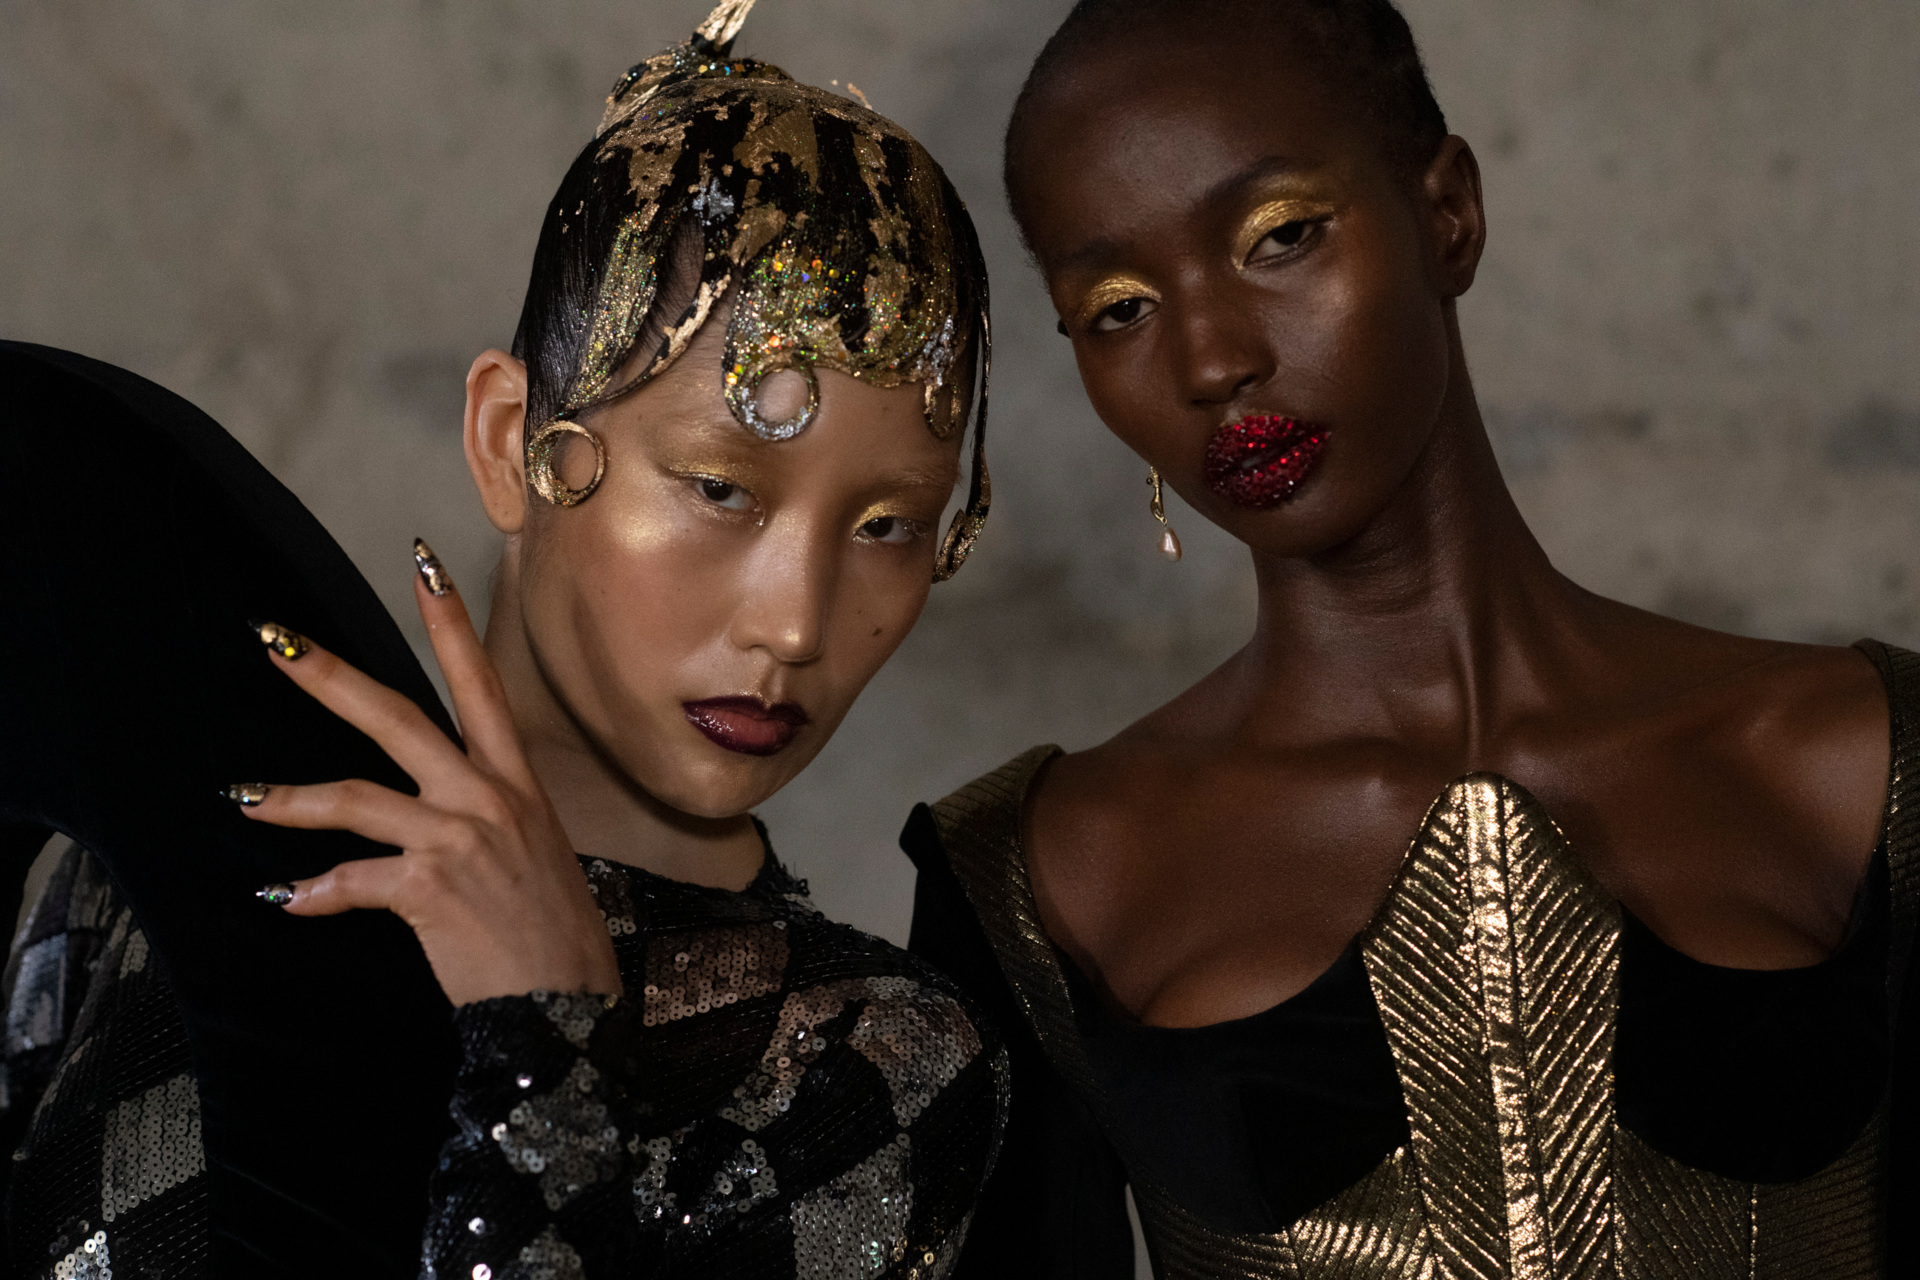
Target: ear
[
  {"x": 1456, "y": 215},
  {"x": 495, "y": 426}
]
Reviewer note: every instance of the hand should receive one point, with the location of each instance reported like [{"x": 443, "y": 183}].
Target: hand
[{"x": 486, "y": 877}]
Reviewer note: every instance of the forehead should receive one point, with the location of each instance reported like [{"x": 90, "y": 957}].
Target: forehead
[
  {"x": 1141, "y": 130},
  {"x": 885, "y": 427}
]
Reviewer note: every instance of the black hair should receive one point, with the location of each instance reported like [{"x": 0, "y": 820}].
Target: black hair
[
  {"x": 1365, "y": 46},
  {"x": 577, "y": 237}
]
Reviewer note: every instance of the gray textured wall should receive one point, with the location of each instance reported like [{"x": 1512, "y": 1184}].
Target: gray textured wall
[{"x": 1695, "y": 332}]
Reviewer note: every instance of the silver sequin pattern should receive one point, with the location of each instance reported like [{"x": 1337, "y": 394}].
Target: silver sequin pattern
[
  {"x": 856, "y": 1225},
  {"x": 152, "y": 1145},
  {"x": 564, "y": 1137},
  {"x": 697, "y": 973}
]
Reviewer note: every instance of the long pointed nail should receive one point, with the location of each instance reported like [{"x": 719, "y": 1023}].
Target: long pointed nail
[
  {"x": 287, "y": 643},
  {"x": 247, "y": 794},
  {"x": 275, "y": 895},
  {"x": 432, "y": 572}
]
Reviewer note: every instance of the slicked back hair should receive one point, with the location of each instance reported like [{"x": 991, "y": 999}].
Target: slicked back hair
[{"x": 1364, "y": 47}]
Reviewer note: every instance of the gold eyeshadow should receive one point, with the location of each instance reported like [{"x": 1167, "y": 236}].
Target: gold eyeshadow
[
  {"x": 1112, "y": 289},
  {"x": 1270, "y": 216}
]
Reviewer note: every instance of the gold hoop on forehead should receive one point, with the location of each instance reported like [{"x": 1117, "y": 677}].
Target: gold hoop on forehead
[
  {"x": 540, "y": 463},
  {"x": 746, "y": 404}
]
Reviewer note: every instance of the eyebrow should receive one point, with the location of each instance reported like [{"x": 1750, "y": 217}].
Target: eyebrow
[
  {"x": 1103, "y": 249},
  {"x": 918, "y": 478}
]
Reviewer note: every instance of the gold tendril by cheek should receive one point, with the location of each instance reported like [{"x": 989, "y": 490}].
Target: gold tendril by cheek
[{"x": 540, "y": 460}]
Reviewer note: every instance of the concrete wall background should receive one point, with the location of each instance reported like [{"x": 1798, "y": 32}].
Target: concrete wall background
[{"x": 1695, "y": 333}]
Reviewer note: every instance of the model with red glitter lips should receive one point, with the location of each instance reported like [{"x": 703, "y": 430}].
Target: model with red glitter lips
[{"x": 1229, "y": 929}]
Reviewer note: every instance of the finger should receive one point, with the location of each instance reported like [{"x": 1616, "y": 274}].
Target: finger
[
  {"x": 369, "y": 884},
  {"x": 479, "y": 698},
  {"x": 391, "y": 719},
  {"x": 365, "y": 808}
]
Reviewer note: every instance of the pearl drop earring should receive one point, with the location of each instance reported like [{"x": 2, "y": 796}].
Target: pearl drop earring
[{"x": 1169, "y": 540}]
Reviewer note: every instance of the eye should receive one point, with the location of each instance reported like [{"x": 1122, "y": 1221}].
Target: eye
[
  {"x": 893, "y": 530},
  {"x": 1283, "y": 240},
  {"x": 723, "y": 493},
  {"x": 1123, "y": 313}
]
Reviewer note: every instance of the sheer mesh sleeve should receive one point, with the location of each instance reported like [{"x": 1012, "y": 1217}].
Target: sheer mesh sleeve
[{"x": 779, "y": 1096}]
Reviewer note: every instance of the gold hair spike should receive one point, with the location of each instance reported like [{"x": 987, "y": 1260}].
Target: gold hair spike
[{"x": 724, "y": 23}]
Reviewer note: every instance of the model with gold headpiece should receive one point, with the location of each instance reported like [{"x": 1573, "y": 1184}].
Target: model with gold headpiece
[
  {"x": 1464, "y": 925},
  {"x": 719, "y": 453}
]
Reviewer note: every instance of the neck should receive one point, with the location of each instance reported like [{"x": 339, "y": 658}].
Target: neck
[
  {"x": 604, "y": 811},
  {"x": 1446, "y": 590}
]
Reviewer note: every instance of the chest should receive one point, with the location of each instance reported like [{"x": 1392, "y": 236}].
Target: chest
[{"x": 1231, "y": 890}]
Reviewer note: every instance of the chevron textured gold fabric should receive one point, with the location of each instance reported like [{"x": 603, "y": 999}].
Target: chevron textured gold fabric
[{"x": 1495, "y": 964}]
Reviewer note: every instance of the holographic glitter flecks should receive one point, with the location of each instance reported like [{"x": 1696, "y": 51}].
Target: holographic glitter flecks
[
  {"x": 833, "y": 234},
  {"x": 1261, "y": 460},
  {"x": 830, "y": 224}
]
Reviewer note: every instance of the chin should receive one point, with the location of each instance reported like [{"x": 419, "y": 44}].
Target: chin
[{"x": 725, "y": 787}]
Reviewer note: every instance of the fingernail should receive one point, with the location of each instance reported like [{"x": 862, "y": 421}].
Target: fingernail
[
  {"x": 275, "y": 895},
  {"x": 432, "y": 572},
  {"x": 247, "y": 794},
  {"x": 288, "y": 644}
]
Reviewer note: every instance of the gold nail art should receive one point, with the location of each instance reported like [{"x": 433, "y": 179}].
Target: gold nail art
[
  {"x": 288, "y": 644},
  {"x": 432, "y": 572},
  {"x": 248, "y": 794},
  {"x": 275, "y": 895}
]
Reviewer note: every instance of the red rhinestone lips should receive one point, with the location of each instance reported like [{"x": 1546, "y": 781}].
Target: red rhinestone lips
[{"x": 1260, "y": 460}]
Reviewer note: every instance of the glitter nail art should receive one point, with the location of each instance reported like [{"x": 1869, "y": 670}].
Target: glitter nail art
[
  {"x": 288, "y": 644},
  {"x": 432, "y": 572}
]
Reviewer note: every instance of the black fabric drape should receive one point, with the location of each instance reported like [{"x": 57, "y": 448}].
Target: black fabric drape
[
  {"x": 138, "y": 540},
  {"x": 1055, "y": 1205}
]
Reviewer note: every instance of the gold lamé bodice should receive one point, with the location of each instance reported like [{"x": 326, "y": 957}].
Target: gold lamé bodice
[{"x": 1495, "y": 964}]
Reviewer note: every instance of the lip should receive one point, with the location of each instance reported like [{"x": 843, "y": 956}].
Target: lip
[
  {"x": 746, "y": 724},
  {"x": 1262, "y": 460}
]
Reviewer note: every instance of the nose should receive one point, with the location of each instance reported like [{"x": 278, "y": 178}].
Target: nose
[
  {"x": 786, "y": 597},
  {"x": 1221, "y": 351}
]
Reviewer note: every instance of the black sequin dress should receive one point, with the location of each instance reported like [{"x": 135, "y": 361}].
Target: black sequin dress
[
  {"x": 101, "y": 1108},
  {"x": 777, "y": 1096},
  {"x": 320, "y": 1054}
]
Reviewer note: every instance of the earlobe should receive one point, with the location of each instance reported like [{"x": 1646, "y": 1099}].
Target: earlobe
[
  {"x": 495, "y": 429},
  {"x": 1459, "y": 215}
]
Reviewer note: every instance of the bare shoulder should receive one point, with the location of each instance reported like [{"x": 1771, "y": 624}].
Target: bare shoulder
[
  {"x": 1742, "y": 781},
  {"x": 1801, "y": 709},
  {"x": 1812, "y": 721},
  {"x": 1094, "y": 818}
]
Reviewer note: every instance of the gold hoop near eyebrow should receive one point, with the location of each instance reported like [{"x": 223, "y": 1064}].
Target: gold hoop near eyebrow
[
  {"x": 1269, "y": 217},
  {"x": 1109, "y": 291}
]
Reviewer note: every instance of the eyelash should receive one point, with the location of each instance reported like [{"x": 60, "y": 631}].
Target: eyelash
[
  {"x": 912, "y": 530},
  {"x": 1305, "y": 230},
  {"x": 705, "y": 485}
]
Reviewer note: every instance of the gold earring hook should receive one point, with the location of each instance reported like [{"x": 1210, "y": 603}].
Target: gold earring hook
[{"x": 1169, "y": 540}]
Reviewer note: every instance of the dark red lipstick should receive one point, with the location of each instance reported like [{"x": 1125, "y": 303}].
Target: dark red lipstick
[
  {"x": 1261, "y": 460},
  {"x": 746, "y": 724}
]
